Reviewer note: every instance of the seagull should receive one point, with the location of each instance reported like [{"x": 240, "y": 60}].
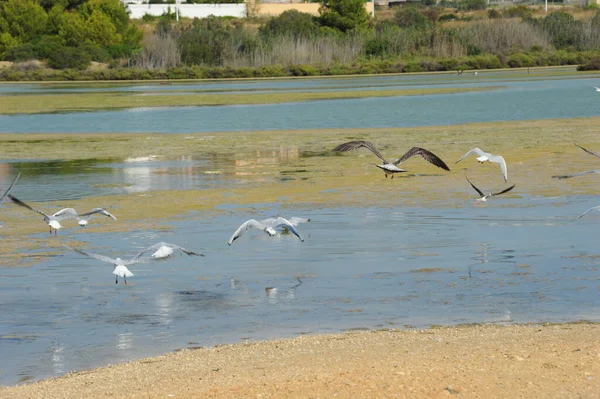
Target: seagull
[
  {"x": 586, "y": 212},
  {"x": 53, "y": 220},
  {"x": 294, "y": 220},
  {"x": 483, "y": 196},
  {"x": 164, "y": 250},
  {"x": 597, "y": 88},
  {"x": 120, "y": 265},
  {"x": 267, "y": 225},
  {"x": 580, "y": 173},
  {"x": 9, "y": 188},
  {"x": 389, "y": 168},
  {"x": 83, "y": 220},
  {"x": 485, "y": 156}
]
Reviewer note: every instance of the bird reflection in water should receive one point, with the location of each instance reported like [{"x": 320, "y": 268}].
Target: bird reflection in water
[{"x": 274, "y": 297}]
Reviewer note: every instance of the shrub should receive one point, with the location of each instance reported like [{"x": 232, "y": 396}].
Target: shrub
[
  {"x": 472, "y": 5},
  {"x": 521, "y": 60},
  {"x": 494, "y": 14},
  {"x": 592, "y": 65},
  {"x": 408, "y": 17},
  {"x": 518, "y": 12},
  {"x": 69, "y": 57},
  {"x": 291, "y": 22}
]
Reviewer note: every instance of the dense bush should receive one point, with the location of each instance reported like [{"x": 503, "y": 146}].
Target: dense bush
[
  {"x": 292, "y": 22},
  {"x": 40, "y": 28},
  {"x": 408, "y": 17},
  {"x": 592, "y": 65},
  {"x": 69, "y": 57}
]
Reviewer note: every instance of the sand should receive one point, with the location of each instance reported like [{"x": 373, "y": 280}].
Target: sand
[{"x": 475, "y": 361}]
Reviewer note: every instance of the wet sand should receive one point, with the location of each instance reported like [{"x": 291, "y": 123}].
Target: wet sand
[{"x": 533, "y": 361}]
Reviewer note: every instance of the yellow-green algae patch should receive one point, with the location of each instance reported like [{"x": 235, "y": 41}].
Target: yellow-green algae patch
[
  {"x": 297, "y": 170},
  {"x": 69, "y": 102}
]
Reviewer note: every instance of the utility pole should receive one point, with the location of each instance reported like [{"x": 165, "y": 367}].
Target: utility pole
[{"x": 177, "y": 10}]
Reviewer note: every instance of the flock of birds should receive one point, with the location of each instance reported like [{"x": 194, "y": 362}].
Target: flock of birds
[{"x": 270, "y": 226}]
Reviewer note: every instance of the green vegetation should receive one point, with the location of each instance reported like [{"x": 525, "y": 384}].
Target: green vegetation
[
  {"x": 343, "y": 39},
  {"x": 67, "y": 33}
]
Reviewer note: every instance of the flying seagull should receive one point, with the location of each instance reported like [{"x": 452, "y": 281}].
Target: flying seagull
[
  {"x": 597, "y": 88},
  {"x": 120, "y": 265},
  {"x": 483, "y": 196},
  {"x": 486, "y": 156},
  {"x": 9, "y": 187},
  {"x": 267, "y": 225},
  {"x": 580, "y": 173},
  {"x": 53, "y": 220},
  {"x": 586, "y": 212},
  {"x": 83, "y": 220},
  {"x": 162, "y": 250},
  {"x": 389, "y": 168}
]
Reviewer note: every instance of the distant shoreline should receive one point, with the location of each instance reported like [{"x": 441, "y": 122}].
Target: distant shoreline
[{"x": 532, "y": 360}]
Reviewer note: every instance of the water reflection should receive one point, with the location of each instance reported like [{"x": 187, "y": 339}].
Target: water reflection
[{"x": 62, "y": 180}]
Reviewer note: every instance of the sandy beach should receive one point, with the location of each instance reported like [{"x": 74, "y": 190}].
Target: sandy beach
[{"x": 533, "y": 361}]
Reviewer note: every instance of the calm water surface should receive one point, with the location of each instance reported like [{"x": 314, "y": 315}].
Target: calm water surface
[
  {"x": 518, "y": 99},
  {"x": 512, "y": 260}
]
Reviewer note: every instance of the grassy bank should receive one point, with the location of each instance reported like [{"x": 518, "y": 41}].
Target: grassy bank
[{"x": 34, "y": 103}]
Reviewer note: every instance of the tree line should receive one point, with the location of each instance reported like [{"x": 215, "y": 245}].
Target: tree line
[{"x": 343, "y": 39}]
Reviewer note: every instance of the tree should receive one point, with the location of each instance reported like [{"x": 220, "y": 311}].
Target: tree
[
  {"x": 344, "y": 15},
  {"x": 25, "y": 19},
  {"x": 408, "y": 17}
]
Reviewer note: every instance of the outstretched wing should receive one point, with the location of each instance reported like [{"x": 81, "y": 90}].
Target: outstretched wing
[
  {"x": 588, "y": 151},
  {"x": 586, "y": 212},
  {"x": 500, "y": 160},
  {"x": 101, "y": 211},
  {"x": 166, "y": 244},
  {"x": 10, "y": 187},
  {"x": 576, "y": 174},
  {"x": 95, "y": 256},
  {"x": 474, "y": 150},
  {"x": 296, "y": 220},
  {"x": 250, "y": 224},
  {"x": 286, "y": 223},
  {"x": 426, "y": 155},
  {"x": 355, "y": 145},
  {"x": 503, "y": 191},
  {"x": 24, "y": 205},
  {"x": 481, "y": 194},
  {"x": 67, "y": 213}
]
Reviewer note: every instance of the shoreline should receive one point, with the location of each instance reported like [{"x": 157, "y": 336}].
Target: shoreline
[{"x": 531, "y": 360}]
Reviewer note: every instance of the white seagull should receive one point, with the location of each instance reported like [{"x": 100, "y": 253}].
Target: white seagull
[
  {"x": 267, "y": 225},
  {"x": 389, "y": 168},
  {"x": 54, "y": 220},
  {"x": 164, "y": 250},
  {"x": 597, "y": 88},
  {"x": 586, "y": 212},
  {"x": 9, "y": 188},
  {"x": 120, "y": 265},
  {"x": 486, "y": 156},
  {"x": 580, "y": 173},
  {"x": 483, "y": 196},
  {"x": 83, "y": 220}
]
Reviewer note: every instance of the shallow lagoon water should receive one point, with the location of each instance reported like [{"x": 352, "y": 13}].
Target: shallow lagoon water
[
  {"x": 515, "y": 259},
  {"x": 359, "y": 268},
  {"x": 520, "y": 99}
]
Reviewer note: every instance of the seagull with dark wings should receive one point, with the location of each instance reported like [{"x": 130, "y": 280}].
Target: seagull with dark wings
[
  {"x": 389, "y": 168},
  {"x": 53, "y": 221},
  {"x": 9, "y": 188},
  {"x": 484, "y": 197},
  {"x": 581, "y": 173}
]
